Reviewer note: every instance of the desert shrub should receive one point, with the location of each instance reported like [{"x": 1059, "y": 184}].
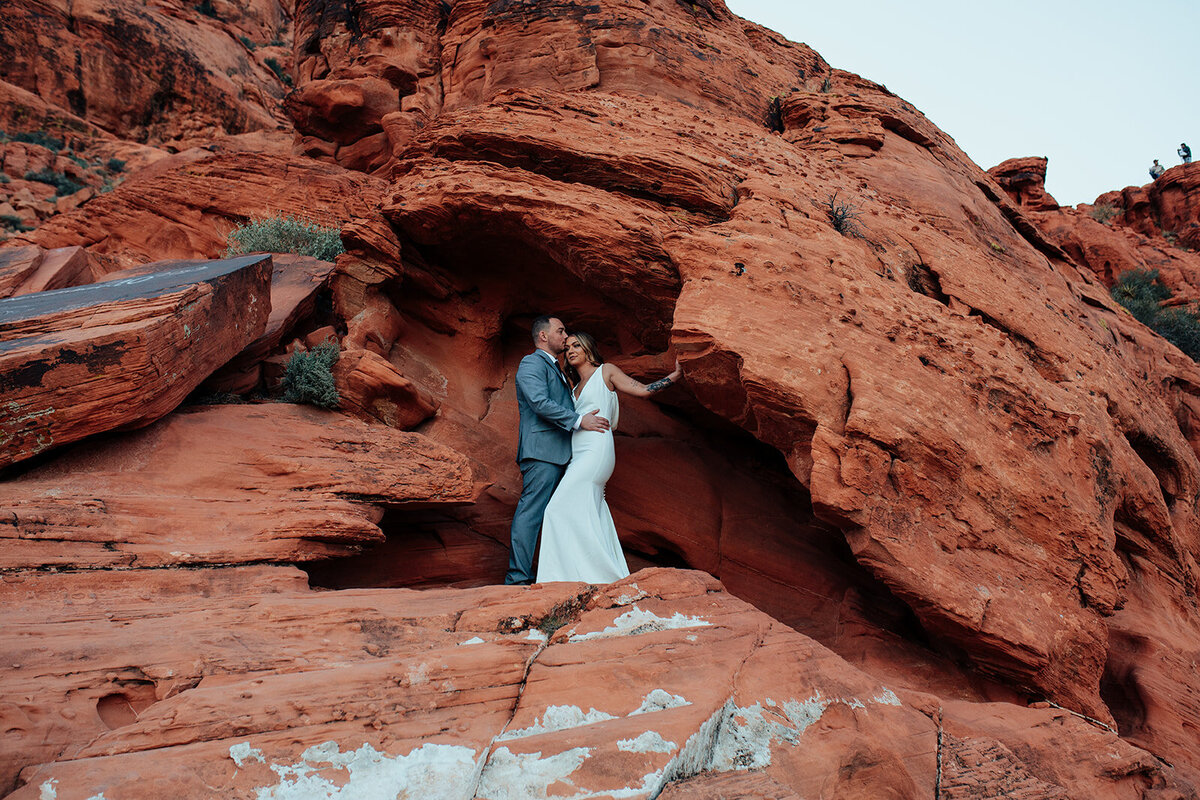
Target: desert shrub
[
  {"x": 308, "y": 377},
  {"x": 4, "y": 178},
  {"x": 206, "y": 8},
  {"x": 285, "y": 234},
  {"x": 115, "y": 165},
  {"x": 61, "y": 183},
  {"x": 1104, "y": 213},
  {"x": 39, "y": 138},
  {"x": 11, "y": 222},
  {"x": 1139, "y": 291},
  {"x": 843, "y": 215},
  {"x": 278, "y": 70},
  {"x": 251, "y": 46}
]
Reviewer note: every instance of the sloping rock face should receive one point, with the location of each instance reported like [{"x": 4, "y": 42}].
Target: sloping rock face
[
  {"x": 660, "y": 681},
  {"x": 129, "y": 350}
]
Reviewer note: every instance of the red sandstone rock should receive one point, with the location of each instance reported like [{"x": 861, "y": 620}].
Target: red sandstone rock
[
  {"x": 773, "y": 255},
  {"x": 225, "y": 484},
  {"x": 965, "y": 452},
  {"x": 24, "y": 270},
  {"x": 295, "y": 282},
  {"x": 1025, "y": 181},
  {"x": 154, "y": 74},
  {"x": 370, "y": 387},
  {"x": 128, "y": 351},
  {"x": 187, "y": 211},
  {"x": 662, "y": 680}
]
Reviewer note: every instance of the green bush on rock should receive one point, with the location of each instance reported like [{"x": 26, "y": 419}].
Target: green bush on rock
[
  {"x": 285, "y": 234},
  {"x": 308, "y": 377},
  {"x": 1141, "y": 293}
]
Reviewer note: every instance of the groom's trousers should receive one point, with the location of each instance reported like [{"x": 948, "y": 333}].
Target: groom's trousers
[{"x": 538, "y": 481}]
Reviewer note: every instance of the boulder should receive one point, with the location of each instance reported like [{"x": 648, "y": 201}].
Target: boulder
[
  {"x": 121, "y": 354},
  {"x": 370, "y": 387},
  {"x": 1024, "y": 179},
  {"x": 28, "y": 269},
  {"x": 295, "y": 283}
]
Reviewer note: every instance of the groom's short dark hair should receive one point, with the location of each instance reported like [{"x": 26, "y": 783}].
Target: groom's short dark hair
[{"x": 540, "y": 324}]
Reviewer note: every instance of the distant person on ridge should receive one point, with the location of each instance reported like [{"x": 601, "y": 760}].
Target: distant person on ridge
[
  {"x": 1185, "y": 153},
  {"x": 1156, "y": 170}
]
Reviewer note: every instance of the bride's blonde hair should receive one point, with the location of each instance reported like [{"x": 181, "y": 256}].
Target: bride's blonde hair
[{"x": 590, "y": 349}]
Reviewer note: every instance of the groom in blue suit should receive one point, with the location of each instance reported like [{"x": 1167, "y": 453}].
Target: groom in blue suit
[{"x": 548, "y": 418}]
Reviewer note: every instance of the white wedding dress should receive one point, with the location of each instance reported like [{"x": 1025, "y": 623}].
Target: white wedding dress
[{"x": 579, "y": 539}]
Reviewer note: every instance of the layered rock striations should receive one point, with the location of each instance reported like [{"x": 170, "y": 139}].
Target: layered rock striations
[
  {"x": 172, "y": 73},
  {"x": 914, "y": 427}
]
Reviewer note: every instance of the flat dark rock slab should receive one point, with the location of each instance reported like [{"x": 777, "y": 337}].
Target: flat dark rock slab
[{"x": 122, "y": 353}]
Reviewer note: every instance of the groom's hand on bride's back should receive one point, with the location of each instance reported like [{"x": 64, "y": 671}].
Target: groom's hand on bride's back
[{"x": 592, "y": 421}]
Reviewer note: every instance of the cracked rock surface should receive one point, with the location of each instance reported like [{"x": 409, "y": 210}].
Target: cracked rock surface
[{"x": 659, "y": 685}]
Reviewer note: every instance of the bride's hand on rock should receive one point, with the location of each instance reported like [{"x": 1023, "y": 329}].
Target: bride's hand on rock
[{"x": 592, "y": 421}]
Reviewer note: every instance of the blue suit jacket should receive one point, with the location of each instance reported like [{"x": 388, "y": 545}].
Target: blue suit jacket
[{"x": 547, "y": 411}]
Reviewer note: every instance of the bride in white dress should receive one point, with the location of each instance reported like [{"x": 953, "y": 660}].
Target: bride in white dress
[{"x": 579, "y": 539}]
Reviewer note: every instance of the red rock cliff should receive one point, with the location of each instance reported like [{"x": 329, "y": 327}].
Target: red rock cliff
[{"x": 914, "y": 426}]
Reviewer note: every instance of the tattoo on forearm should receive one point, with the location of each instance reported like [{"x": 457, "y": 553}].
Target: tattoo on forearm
[{"x": 659, "y": 385}]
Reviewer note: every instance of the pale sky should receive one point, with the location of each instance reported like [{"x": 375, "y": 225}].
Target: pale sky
[{"x": 1100, "y": 88}]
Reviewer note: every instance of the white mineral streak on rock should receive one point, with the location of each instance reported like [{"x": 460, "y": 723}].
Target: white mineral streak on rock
[
  {"x": 243, "y": 752},
  {"x": 527, "y": 776},
  {"x": 886, "y": 698},
  {"x": 747, "y": 735},
  {"x": 472, "y": 640},
  {"x": 648, "y": 742},
  {"x": 635, "y": 621},
  {"x": 659, "y": 700},
  {"x": 431, "y": 770},
  {"x": 626, "y": 599},
  {"x": 47, "y": 790},
  {"x": 558, "y": 718},
  {"x": 696, "y": 755},
  {"x": 535, "y": 635}
]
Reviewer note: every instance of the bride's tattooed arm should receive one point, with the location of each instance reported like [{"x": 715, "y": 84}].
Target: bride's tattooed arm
[
  {"x": 623, "y": 383},
  {"x": 659, "y": 385}
]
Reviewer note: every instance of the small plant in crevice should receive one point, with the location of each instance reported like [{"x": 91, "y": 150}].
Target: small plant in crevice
[
  {"x": 249, "y": 45},
  {"x": 843, "y": 215},
  {"x": 827, "y": 84},
  {"x": 997, "y": 247},
  {"x": 285, "y": 234},
  {"x": 115, "y": 165},
  {"x": 308, "y": 377},
  {"x": 206, "y": 8},
  {"x": 1140, "y": 292},
  {"x": 562, "y": 614},
  {"x": 279, "y": 71},
  {"x": 61, "y": 183},
  {"x": 1104, "y": 213}
]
